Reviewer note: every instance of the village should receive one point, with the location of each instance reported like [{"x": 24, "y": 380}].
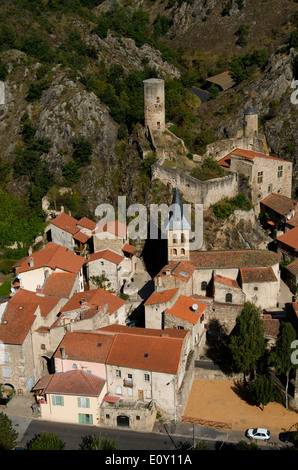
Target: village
[{"x": 95, "y": 339}]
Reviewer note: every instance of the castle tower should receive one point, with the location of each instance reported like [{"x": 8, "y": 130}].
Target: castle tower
[
  {"x": 154, "y": 104},
  {"x": 178, "y": 231},
  {"x": 251, "y": 123}
]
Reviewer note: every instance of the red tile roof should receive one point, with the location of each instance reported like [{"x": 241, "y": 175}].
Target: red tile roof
[
  {"x": 60, "y": 284},
  {"x": 114, "y": 227},
  {"x": 167, "y": 332},
  {"x": 81, "y": 237},
  {"x": 233, "y": 259},
  {"x": 226, "y": 281},
  {"x": 295, "y": 307},
  {"x": 279, "y": 203},
  {"x": 91, "y": 346},
  {"x": 249, "y": 154},
  {"x": 161, "y": 297},
  {"x": 55, "y": 257},
  {"x": 251, "y": 275},
  {"x": 293, "y": 221},
  {"x": 129, "y": 248},
  {"x": 290, "y": 238},
  {"x": 149, "y": 353},
  {"x": 271, "y": 326},
  {"x": 94, "y": 298},
  {"x": 107, "y": 254},
  {"x": 19, "y": 314},
  {"x": 293, "y": 267},
  {"x": 66, "y": 222},
  {"x": 183, "y": 309},
  {"x": 74, "y": 382},
  {"x": 86, "y": 223},
  {"x": 181, "y": 270}
]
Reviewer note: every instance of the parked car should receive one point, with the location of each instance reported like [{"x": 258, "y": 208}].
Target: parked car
[
  {"x": 289, "y": 436},
  {"x": 258, "y": 433}
]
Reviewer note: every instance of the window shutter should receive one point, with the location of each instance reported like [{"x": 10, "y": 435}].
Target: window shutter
[
  {"x": 88, "y": 402},
  {"x": 79, "y": 402}
]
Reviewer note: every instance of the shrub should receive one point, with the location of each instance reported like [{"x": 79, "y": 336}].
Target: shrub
[
  {"x": 82, "y": 151},
  {"x": 8, "y": 436},
  {"x": 46, "y": 441}
]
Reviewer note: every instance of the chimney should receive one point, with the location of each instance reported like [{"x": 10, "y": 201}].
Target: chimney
[
  {"x": 31, "y": 262},
  {"x": 62, "y": 350}
]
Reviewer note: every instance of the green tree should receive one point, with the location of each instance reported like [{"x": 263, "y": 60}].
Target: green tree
[
  {"x": 281, "y": 355},
  {"x": 8, "y": 436},
  {"x": 247, "y": 343},
  {"x": 98, "y": 442},
  {"x": 82, "y": 151},
  {"x": 263, "y": 390},
  {"x": 46, "y": 441}
]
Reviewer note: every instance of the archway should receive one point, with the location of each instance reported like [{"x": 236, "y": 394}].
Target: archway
[{"x": 123, "y": 421}]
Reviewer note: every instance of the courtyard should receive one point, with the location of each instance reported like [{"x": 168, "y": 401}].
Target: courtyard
[{"x": 218, "y": 403}]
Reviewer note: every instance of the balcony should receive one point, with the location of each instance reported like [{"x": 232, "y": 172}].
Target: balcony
[{"x": 128, "y": 383}]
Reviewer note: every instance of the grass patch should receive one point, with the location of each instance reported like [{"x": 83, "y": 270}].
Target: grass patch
[
  {"x": 5, "y": 289},
  {"x": 227, "y": 206}
]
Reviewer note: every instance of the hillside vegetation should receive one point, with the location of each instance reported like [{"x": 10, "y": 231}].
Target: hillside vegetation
[{"x": 73, "y": 72}]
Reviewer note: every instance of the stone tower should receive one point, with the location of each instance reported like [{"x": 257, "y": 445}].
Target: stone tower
[
  {"x": 251, "y": 124},
  {"x": 154, "y": 104},
  {"x": 178, "y": 230}
]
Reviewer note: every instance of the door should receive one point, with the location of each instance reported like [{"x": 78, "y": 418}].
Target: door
[
  {"x": 140, "y": 394},
  {"x": 123, "y": 421}
]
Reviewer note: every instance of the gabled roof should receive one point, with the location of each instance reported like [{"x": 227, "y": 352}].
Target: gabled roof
[
  {"x": 293, "y": 267},
  {"x": 226, "y": 281},
  {"x": 91, "y": 346},
  {"x": 224, "y": 80},
  {"x": 290, "y": 238},
  {"x": 233, "y": 259},
  {"x": 59, "y": 284},
  {"x": 187, "y": 309},
  {"x": 108, "y": 255},
  {"x": 251, "y": 275},
  {"x": 66, "y": 222},
  {"x": 181, "y": 270},
  {"x": 94, "y": 298},
  {"x": 248, "y": 154},
  {"x": 74, "y": 382},
  {"x": 86, "y": 223},
  {"x": 279, "y": 203},
  {"x": 20, "y": 314},
  {"x": 146, "y": 352},
  {"x": 162, "y": 296},
  {"x": 55, "y": 257}
]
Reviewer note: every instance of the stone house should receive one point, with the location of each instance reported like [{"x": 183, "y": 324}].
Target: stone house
[
  {"x": 33, "y": 271},
  {"x": 156, "y": 305},
  {"x": 147, "y": 365},
  {"x": 175, "y": 274},
  {"x": 292, "y": 275},
  {"x": 188, "y": 313},
  {"x": 90, "y": 310},
  {"x": 72, "y": 353},
  {"x": 27, "y": 344},
  {"x": 280, "y": 209},
  {"x": 265, "y": 174},
  {"x": 260, "y": 286},
  {"x": 76, "y": 235},
  {"x": 112, "y": 235},
  {"x": 287, "y": 244},
  {"x": 117, "y": 268},
  {"x": 70, "y": 397}
]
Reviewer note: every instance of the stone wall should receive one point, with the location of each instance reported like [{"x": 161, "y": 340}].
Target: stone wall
[{"x": 196, "y": 191}]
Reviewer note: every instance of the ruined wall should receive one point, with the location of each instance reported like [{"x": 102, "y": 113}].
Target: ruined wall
[{"x": 196, "y": 191}]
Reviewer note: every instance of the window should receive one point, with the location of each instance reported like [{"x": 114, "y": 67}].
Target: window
[
  {"x": 256, "y": 288},
  {"x": 270, "y": 188},
  {"x": 129, "y": 377},
  {"x": 229, "y": 297},
  {"x": 118, "y": 390},
  {"x": 58, "y": 400},
  {"x": 5, "y": 357},
  {"x": 85, "y": 418},
  {"x": 129, "y": 392},
  {"x": 74, "y": 366},
  {"x": 182, "y": 238},
  {"x": 260, "y": 177},
  {"x": 174, "y": 251},
  {"x": 6, "y": 372},
  {"x": 279, "y": 172},
  {"x": 182, "y": 251},
  {"x": 175, "y": 238},
  {"x": 147, "y": 377},
  {"x": 118, "y": 373},
  {"x": 83, "y": 402},
  {"x": 203, "y": 285}
]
